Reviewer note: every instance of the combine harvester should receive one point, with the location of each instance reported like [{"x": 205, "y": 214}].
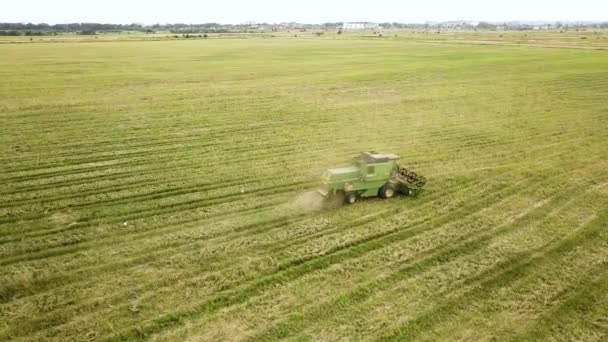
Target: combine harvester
[{"x": 371, "y": 174}]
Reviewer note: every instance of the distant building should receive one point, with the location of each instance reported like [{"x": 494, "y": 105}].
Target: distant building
[{"x": 360, "y": 26}]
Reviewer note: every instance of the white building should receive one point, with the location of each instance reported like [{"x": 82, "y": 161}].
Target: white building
[{"x": 360, "y": 26}]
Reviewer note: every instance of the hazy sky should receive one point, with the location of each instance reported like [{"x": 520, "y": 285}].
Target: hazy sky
[{"x": 308, "y": 11}]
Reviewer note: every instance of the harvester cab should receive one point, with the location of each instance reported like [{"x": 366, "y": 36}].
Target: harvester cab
[{"x": 371, "y": 174}]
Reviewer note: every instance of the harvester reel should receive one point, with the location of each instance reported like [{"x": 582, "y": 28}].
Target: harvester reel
[
  {"x": 421, "y": 181},
  {"x": 412, "y": 177},
  {"x": 403, "y": 173}
]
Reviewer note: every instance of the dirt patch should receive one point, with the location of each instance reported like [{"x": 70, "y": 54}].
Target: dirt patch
[{"x": 63, "y": 218}]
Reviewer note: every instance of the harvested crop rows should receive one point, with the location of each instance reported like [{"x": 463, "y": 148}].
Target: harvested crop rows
[{"x": 153, "y": 190}]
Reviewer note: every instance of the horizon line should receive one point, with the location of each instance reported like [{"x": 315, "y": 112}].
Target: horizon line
[{"x": 308, "y": 23}]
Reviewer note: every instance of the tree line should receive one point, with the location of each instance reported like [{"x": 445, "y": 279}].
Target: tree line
[{"x": 30, "y": 29}]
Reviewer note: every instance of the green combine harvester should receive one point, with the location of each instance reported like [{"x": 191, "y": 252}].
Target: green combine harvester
[{"x": 371, "y": 174}]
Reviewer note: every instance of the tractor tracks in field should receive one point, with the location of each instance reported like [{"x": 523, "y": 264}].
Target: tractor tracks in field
[
  {"x": 482, "y": 285},
  {"x": 150, "y": 287},
  {"x": 276, "y": 157},
  {"x": 306, "y": 260},
  {"x": 292, "y": 271},
  {"x": 66, "y": 183},
  {"x": 587, "y": 297},
  {"x": 154, "y": 147},
  {"x": 148, "y": 195},
  {"x": 172, "y": 209},
  {"x": 242, "y": 231},
  {"x": 277, "y": 150},
  {"x": 33, "y": 217},
  {"x": 155, "y": 151},
  {"x": 465, "y": 244},
  {"x": 127, "y": 217},
  {"x": 86, "y": 222},
  {"x": 97, "y": 178}
]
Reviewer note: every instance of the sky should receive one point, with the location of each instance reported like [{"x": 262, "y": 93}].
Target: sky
[{"x": 303, "y": 11}]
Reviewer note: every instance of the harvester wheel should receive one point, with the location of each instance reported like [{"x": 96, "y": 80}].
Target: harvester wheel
[
  {"x": 403, "y": 172},
  {"x": 387, "y": 191},
  {"x": 350, "y": 198},
  {"x": 412, "y": 177}
]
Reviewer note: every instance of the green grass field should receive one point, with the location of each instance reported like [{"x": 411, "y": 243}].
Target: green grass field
[{"x": 152, "y": 189}]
